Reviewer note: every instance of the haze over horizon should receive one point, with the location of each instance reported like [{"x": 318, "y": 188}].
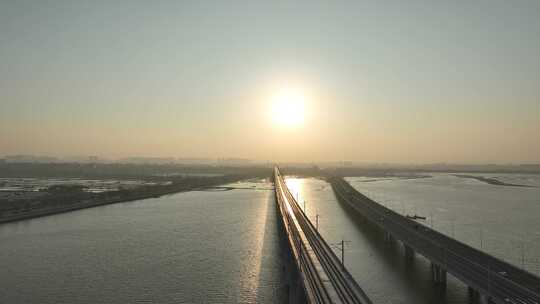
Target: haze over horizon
[{"x": 368, "y": 81}]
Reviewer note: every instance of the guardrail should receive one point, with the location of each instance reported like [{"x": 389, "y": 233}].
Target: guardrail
[{"x": 324, "y": 279}]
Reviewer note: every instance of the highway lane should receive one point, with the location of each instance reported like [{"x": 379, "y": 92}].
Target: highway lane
[{"x": 503, "y": 282}]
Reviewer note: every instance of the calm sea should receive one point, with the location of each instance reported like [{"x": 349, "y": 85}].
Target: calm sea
[
  {"x": 194, "y": 247},
  {"x": 224, "y": 246},
  {"x": 502, "y": 220}
]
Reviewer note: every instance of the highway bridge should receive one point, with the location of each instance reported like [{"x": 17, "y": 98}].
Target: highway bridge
[
  {"x": 491, "y": 278},
  {"x": 324, "y": 278}
]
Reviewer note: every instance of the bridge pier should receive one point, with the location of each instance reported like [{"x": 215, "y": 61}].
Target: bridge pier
[
  {"x": 438, "y": 274},
  {"x": 474, "y": 295},
  {"x": 409, "y": 252},
  {"x": 387, "y": 236}
]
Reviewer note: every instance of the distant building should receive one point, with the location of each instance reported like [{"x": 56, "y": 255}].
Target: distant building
[
  {"x": 195, "y": 161},
  {"x": 233, "y": 162},
  {"x": 346, "y": 163},
  {"x": 30, "y": 159},
  {"x": 148, "y": 160}
]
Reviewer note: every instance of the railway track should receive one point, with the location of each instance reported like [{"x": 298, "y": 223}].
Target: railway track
[{"x": 325, "y": 279}]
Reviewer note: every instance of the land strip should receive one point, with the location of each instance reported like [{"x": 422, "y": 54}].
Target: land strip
[
  {"x": 70, "y": 198},
  {"x": 491, "y": 181}
]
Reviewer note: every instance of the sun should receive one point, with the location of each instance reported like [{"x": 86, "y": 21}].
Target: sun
[{"x": 288, "y": 108}]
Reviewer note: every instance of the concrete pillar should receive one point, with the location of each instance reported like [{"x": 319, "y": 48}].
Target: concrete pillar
[
  {"x": 486, "y": 299},
  {"x": 443, "y": 276},
  {"x": 409, "y": 252},
  {"x": 438, "y": 274},
  {"x": 474, "y": 295}
]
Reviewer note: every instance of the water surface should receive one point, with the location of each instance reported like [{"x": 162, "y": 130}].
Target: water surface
[
  {"x": 486, "y": 216},
  {"x": 501, "y": 220},
  {"x": 194, "y": 247}
]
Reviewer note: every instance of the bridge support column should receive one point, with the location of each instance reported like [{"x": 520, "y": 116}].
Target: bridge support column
[
  {"x": 387, "y": 236},
  {"x": 487, "y": 299},
  {"x": 442, "y": 275},
  {"x": 438, "y": 274},
  {"x": 434, "y": 272},
  {"x": 409, "y": 252},
  {"x": 474, "y": 295}
]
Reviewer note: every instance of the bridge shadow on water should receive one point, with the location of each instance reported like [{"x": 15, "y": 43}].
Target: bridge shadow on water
[
  {"x": 278, "y": 281},
  {"x": 412, "y": 275}
]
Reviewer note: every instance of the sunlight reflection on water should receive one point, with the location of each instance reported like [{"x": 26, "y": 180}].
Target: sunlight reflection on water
[
  {"x": 194, "y": 247},
  {"x": 381, "y": 269}
]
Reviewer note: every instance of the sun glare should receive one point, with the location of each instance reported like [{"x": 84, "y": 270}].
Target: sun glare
[{"x": 288, "y": 108}]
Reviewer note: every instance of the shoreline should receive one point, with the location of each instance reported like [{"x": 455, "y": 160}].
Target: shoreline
[
  {"x": 78, "y": 206},
  {"x": 120, "y": 197},
  {"x": 491, "y": 181}
]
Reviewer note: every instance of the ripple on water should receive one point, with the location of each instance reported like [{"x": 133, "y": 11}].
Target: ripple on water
[{"x": 211, "y": 247}]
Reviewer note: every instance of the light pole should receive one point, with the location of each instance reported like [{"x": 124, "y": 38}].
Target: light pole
[
  {"x": 341, "y": 246},
  {"x": 343, "y": 253},
  {"x": 489, "y": 278},
  {"x": 522, "y": 253},
  {"x": 481, "y": 237}
]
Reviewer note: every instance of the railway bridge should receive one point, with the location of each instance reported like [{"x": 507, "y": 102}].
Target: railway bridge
[{"x": 323, "y": 277}]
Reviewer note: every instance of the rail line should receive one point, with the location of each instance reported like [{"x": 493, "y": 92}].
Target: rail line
[{"x": 325, "y": 280}]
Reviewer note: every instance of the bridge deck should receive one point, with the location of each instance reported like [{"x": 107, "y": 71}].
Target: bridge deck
[
  {"x": 324, "y": 278},
  {"x": 496, "y": 279}
]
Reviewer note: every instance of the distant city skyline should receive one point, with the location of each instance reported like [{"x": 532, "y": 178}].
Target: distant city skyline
[
  {"x": 363, "y": 81},
  {"x": 29, "y": 158}
]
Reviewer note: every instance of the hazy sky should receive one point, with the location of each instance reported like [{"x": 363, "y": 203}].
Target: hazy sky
[{"x": 388, "y": 81}]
